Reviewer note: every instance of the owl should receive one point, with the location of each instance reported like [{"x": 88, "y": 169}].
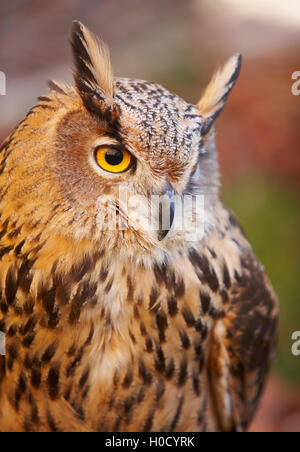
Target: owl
[{"x": 113, "y": 323}]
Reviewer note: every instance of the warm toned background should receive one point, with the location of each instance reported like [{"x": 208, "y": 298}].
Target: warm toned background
[{"x": 178, "y": 43}]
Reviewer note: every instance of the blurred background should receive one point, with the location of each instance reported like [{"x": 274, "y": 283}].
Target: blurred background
[{"x": 179, "y": 43}]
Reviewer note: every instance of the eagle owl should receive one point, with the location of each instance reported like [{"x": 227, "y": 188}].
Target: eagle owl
[{"x": 125, "y": 328}]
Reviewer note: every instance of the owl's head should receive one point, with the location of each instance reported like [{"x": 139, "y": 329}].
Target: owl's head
[{"x": 90, "y": 162}]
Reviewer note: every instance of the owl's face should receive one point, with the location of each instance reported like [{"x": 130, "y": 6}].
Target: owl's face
[
  {"x": 90, "y": 162},
  {"x": 125, "y": 161}
]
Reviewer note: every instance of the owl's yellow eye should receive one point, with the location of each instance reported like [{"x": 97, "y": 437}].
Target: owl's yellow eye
[{"x": 112, "y": 159}]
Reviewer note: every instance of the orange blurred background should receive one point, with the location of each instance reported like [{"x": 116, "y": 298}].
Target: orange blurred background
[{"x": 178, "y": 44}]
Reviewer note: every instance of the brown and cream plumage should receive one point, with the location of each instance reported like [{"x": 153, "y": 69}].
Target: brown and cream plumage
[{"x": 124, "y": 329}]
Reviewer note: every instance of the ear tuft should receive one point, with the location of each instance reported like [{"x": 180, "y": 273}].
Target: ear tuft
[
  {"x": 57, "y": 87},
  {"x": 215, "y": 95},
  {"x": 92, "y": 62}
]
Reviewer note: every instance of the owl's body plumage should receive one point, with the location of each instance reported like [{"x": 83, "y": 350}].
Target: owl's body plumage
[{"x": 123, "y": 330}]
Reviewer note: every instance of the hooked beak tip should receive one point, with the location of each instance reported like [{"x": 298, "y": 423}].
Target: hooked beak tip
[{"x": 166, "y": 215}]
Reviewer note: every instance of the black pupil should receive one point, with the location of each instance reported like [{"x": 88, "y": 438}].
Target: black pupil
[{"x": 114, "y": 157}]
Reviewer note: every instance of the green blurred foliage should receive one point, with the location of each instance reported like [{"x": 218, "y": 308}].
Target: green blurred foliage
[{"x": 270, "y": 215}]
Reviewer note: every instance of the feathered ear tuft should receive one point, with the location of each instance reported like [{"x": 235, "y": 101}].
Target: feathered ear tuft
[
  {"x": 93, "y": 75},
  {"x": 215, "y": 95},
  {"x": 57, "y": 87}
]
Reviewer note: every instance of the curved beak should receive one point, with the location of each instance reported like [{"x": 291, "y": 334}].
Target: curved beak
[{"x": 166, "y": 213}]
